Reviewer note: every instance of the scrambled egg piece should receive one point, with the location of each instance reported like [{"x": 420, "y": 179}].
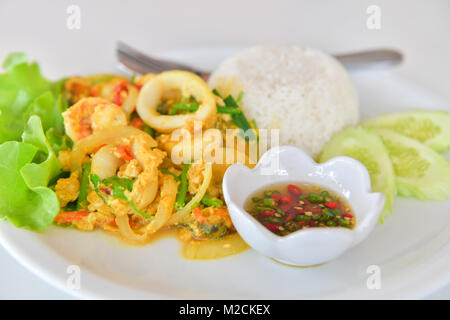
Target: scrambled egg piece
[
  {"x": 64, "y": 159},
  {"x": 195, "y": 177},
  {"x": 67, "y": 189},
  {"x": 130, "y": 169}
]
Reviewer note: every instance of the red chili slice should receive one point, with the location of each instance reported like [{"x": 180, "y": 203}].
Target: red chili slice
[
  {"x": 316, "y": 210},
  {"x": 285, "y": 207},
  {"x": 272, "y": 227},
  {"x": 276, "y": 196},
  {"x": 289, "y": 217},
  {"x": 125, "y": 152},
  {"x": 137, "y": 122},
  {"x": 347, "y": 215},
  {"x": 294, "y": 190},
  {"x": 117, "y": 90},
  {"x": 286, "y": 198},
  {"x": 268, "y": 213},
  {"x": 332, "y": 205}
]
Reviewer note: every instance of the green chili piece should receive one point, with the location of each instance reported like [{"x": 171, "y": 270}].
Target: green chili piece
[
  {"x": 344, "y": 223},
  {"x": 256, "y": 199},
  {"x": 268, "y": 193},
  {"x": 315, "y": 198},
  {"x": 328, "y": 214},
  {"x": 261, "y": 209},
  {"x": 331, "y": 223},
  {"x": 269, "y": 202}
]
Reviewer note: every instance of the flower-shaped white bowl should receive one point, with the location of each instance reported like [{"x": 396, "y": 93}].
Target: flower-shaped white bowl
[{"x": 345, "y": 176}]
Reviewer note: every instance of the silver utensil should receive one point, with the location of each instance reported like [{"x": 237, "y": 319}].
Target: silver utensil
[{"x": 136, "y": 61}]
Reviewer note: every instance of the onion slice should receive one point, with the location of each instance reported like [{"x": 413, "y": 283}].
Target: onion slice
[
  {"x": 214, "y": 249},
  {"x": 182, "y": 214},
  {"x": 126, "y": 231},
  {"x": 110, "y": 135}
]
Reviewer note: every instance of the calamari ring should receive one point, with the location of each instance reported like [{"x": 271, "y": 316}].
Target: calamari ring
[{"x": 189, "y": 84}]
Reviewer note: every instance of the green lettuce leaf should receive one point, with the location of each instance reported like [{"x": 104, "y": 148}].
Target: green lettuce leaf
[
  {"x": 24, "y": 91},
  {"x": 26, "y": 168}
]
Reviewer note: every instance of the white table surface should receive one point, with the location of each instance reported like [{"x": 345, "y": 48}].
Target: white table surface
[{"x": 420, "y": 29}]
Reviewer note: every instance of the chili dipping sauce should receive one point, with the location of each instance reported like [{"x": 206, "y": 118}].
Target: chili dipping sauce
[{"x": 289, "y": 207}]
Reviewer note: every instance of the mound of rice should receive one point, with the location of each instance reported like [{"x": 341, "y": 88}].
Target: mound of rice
[{"x": 304, "y": 92}]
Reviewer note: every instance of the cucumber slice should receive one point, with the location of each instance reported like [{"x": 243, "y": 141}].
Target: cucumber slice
[
  {"x": 420, "y": 171},
  {"x": 429, "y": 127},
  {"x": 369, "y": 149}
]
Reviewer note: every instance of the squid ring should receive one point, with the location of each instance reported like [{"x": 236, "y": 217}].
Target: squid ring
[{"x": 189, "y": 84}]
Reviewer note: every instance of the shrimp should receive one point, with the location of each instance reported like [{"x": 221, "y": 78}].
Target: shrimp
[
  {"x": 105, "y": 162},
  {"x": 119, "y": 91},
  {"x": 91, "y": 114}
]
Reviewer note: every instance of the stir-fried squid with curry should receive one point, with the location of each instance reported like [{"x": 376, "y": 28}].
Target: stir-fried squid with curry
[{"x": 120, "y": 174}]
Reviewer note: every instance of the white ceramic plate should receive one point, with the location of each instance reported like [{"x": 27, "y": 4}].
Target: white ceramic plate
[{"x": 412, "y": 248}]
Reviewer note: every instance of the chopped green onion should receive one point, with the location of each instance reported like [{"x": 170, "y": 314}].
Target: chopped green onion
[
  {"x": 84, "y": 186},
  {"x": 209, "y": 201},
  {"x": 165, "y": 171},
  {"x": 239, "y": 119},
  {"x": 239, "y": 98},
  {"x": 118, "y": 185},
  {"x": 96, "y": 182},
  {"x": 216, "y": 93},
  {"x": 150, "y": 131},
  {"x": 184, "y": 107},
  {"x": 182, "y": 189},
  {"x": 228, "y": 110}
]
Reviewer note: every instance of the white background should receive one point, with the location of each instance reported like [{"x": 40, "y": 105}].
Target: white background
[{"x": 420, "y": 29}]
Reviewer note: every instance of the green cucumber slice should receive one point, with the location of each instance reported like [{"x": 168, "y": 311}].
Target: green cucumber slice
[
  {"x": 369, "y": 149},
  {"x": 429, "y": 127},
  {"x": 420, "y": 171}
]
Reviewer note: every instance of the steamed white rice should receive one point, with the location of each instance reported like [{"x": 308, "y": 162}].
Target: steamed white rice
[{"x": 304, "y": 92}]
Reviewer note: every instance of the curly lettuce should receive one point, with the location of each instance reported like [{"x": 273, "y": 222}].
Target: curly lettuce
[
  {"x": 31, "y": 135},
  {"x": 26, "y": 169},
  {"x": 20, "y": 85}
]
